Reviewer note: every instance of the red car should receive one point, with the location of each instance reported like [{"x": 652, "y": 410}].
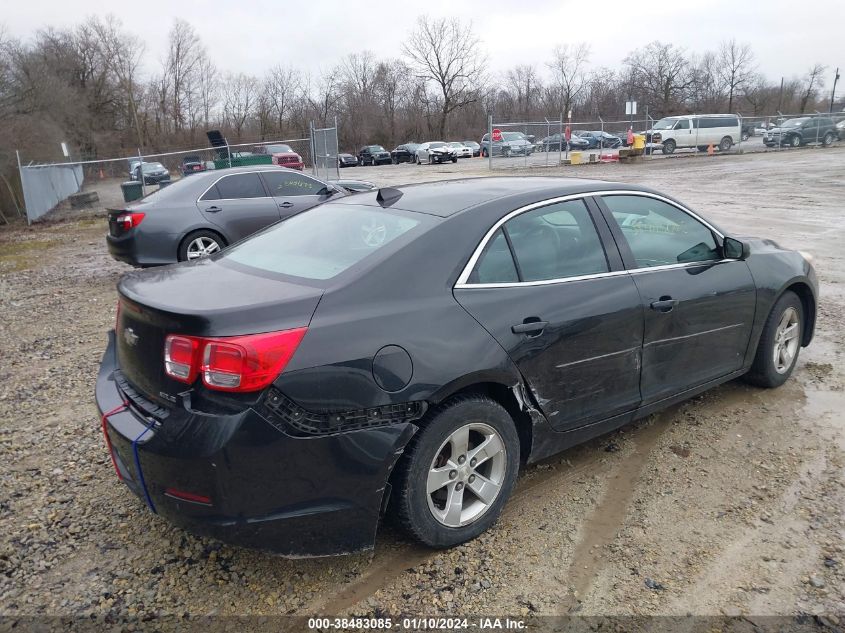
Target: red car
[{"x": 282, "y": 155}]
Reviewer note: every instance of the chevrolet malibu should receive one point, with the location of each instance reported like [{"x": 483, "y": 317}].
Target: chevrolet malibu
[{"x": 405, "y": 351}]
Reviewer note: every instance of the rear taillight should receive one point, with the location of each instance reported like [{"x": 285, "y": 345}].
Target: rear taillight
[
  {"x": 233, "y": 363},
  {"x": 181, "y": 357},
  {"x": 127, "y": 220}
]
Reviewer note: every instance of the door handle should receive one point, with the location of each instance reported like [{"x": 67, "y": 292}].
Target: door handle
[
  {"x": 286, "y": 205},
  {"x": 529, "y": 327},
  {"x": 213, "y": 209},
  {"x": 664, "y": 304}
]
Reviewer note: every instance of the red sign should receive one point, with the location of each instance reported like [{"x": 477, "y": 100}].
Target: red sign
[
  {"x": 568, "y": 133},
  {"x": 497, "y": 135}
]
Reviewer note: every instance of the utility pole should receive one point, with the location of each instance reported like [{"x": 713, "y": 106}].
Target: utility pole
[
  {"x": 833, "y": 92},
  {"x": 780, "y": 95}
]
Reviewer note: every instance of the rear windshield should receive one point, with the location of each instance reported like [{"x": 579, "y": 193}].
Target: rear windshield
[{"x": 325, "y": 241}]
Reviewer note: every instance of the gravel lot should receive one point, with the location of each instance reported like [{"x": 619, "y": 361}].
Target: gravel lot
[{"x": 732, "y": 503}]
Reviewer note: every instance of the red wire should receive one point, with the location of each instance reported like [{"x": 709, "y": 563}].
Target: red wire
[{"x": 106, "y": 416}]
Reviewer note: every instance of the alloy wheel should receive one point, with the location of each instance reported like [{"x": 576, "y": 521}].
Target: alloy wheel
[
  {"x": 466, "y": 475},
  {"x": 202, "y": 247},
  {"x": 786, "y": 340}
]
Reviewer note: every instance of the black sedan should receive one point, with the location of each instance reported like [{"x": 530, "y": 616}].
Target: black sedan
[
  {"x": 154, "y": 173},
  {"x": 552, "y": 143},
  {"x": 198, "y": 216},
  {"x": 405, "y": 350},
  {"x": 405, "y": 153},
  {"x": 599, "y": 139}
]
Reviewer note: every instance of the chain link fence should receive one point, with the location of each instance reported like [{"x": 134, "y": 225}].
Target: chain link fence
[
  {"x": 46, "y": 185},
  {"x": 558, "y": 142},
  {"x": 324, "y": 148}
]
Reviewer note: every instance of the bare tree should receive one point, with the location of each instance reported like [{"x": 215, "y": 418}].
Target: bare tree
[
  {"x": 122, "y": 53},
  {"x": 281, "y": 87},
  {"x": 569, "y": 75},
  {"x": 207, "y": 88},
  {"x": 446, "y": 53},
  {"x": 240, "y": 95},
  {"x": 735, "y": 68},
  {"x": 813, "y": 82},
  {"x": 184, "y": 53},
  {"x": 525, "y": 84},
  {"x": 660, "y": 73}
]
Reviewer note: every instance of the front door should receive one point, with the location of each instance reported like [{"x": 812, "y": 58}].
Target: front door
[
  {"x": 239, "y": 205},
  {"x": 567, "y": 315},
  {"x": 698, "y": 306},
  {"x": 294, "y": 192}
]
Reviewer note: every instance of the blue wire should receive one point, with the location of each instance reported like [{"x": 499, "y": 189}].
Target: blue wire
[{"x": 140, "y": 472}]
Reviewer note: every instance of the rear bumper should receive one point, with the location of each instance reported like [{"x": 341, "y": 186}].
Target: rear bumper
[
  {"x": 265, "y": 488},
  {"x": 126, "y": 248}
]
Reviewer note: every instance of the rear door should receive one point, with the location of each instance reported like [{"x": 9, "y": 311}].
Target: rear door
[
  {"x": 239, "y": 205},
  {"x": 698, "y": 305},
  {"x": 563, "y": 308},
  {"x": 293, "y": 192}
]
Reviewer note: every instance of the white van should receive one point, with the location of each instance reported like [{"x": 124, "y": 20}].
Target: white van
[{"x": 696, "y": 130}]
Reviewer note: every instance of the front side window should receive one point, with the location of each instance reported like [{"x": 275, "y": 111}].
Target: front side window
[
  {"x": 660, "y": 234},
  {"x": 552, "y": 242},
  {"x": 240, "y": 186},
  {"x": 284, "y": 184},
  {"x": 683, "y": 124}
]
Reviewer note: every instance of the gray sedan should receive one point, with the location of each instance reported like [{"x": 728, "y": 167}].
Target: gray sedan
[{"x": 197, "y": 216}]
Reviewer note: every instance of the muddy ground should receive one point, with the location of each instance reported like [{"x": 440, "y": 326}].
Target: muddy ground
[{"x": 732, "y": 503}]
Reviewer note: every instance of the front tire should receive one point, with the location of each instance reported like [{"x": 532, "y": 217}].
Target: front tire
[
  {"x": 795, "y": 141},
  {"x": 780, "y": 343},
  {"x": 669, "y": 147},
  {"x": 457, "y": 472}
]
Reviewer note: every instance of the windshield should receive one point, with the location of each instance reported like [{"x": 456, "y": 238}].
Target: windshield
[
  {"x": 795, "y": 122},
  {"x": 150, "y": 167},
  {"x": 455, "y": 144},
  {"x": 323, "y": 242},
  {"x": 437, "y": 144},
  {"x": 279, "y": 149},
  {"x": 377, "y": 148},
  {"x": 512, "y": 136},
  {"x": 665, "y": 124}
]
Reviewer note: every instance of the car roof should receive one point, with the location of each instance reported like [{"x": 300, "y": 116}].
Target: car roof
[{"x": 449, "y": 197}]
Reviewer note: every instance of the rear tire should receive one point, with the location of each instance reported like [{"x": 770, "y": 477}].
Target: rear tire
[
  {"x": 725, "y": 144},
  {"x": 827, "y": 141},
  {"x": 780, "y": 343},
  {"x": 193, "y": 245},
  {"x": 439, "y": 471}
]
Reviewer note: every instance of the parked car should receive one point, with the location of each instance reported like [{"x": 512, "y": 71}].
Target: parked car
[
  {"x": 282, "y": 155},
  {"x": 461, "y": 150},
  {"x": 192, "y": 164},
  {"x": 405, "y": 153},
  {"x": 154, "y": 173},
  {"x": 801, "y": 131},
  {"x": 475, "y": 147},
  {"x": 373, "y": 155},
  {"x": 512, "y": 144},
  {"x": 435, "y": 152},
  {"x": 747, "y": 130},
  {"x": 197, "y": 216},
  {"x": 695, "y": 131},
  {"x": 599, "y": 139},
  {"x": 347, "y": 160},
  {"x": 283, "y": 393},
  {"x": 552, "y": 143},
  {"x": 840, "y": 130}
]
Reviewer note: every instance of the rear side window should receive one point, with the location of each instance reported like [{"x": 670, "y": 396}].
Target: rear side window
[
  {"x": 496, "y": 265},
  {"x": 325, "y": 241},
  {"x": 211, "y": 194},
  {"x": 661, "y": 234},
  {"x": 240, "y": 186},
  {"x": 283, "y": 184}
]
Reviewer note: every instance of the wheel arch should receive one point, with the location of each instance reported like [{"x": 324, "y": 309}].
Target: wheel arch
[{"x": 808, "y": 302}]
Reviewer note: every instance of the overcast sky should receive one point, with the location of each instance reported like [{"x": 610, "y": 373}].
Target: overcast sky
[{"x": 253, "y": 35}]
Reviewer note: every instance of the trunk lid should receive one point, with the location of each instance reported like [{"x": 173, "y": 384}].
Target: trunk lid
[{"x": 203, "y": 298}]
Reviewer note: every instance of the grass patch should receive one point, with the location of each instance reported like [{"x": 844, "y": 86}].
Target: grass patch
[{"x": 17, "y": 256}]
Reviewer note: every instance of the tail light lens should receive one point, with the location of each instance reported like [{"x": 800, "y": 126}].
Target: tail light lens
[
  {"x": 180, "y": 357},
  {"x": 127, "y": 220},
  {"x": 233, "y": 363}
]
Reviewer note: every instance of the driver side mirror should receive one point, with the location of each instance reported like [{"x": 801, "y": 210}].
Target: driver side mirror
[
  {"x": 328, "y": 190},
  {"x": 734, "y": 249}
]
